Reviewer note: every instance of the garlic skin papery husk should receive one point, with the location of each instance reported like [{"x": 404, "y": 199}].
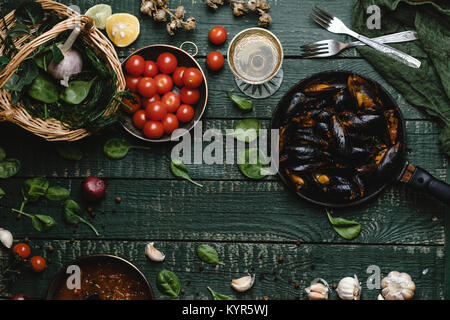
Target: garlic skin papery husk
[
  {"x": 317, "y": 291},
  {"x": 243, "y": 284},
  {"x": 154, "y": 254},
  {"x": 380, "y": 297},
  {"x": 397, "y": 286},
  {"x": 6, "y": 238},
  {"x": 349, "y": 288}
]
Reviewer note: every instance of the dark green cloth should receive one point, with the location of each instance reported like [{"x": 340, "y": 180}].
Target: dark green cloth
[{"x": 428, "y": 87}]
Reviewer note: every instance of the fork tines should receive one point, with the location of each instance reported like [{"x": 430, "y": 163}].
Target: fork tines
[
  {"x": 321, "y": 17},
  {"x": 315, "y": 49}
]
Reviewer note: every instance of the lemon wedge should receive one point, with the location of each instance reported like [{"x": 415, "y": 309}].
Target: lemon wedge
[
  {"x": 100, "y": 13},
  {"x": 123, "y": 29}
]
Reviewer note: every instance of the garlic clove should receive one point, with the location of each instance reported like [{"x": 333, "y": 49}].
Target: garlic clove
[
  {"x": 6, "y": 238},
  {"x": 243, "y": 284},
  {"x": 154, "y": 254},
  {"x": 380, "y": 297},
  {"x": 317, "y": 291}
]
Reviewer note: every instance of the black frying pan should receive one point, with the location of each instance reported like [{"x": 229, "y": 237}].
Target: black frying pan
[{"x": 402, "y": 171}]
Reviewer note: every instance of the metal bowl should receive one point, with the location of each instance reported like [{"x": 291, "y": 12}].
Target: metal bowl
[
  {"x": 61, "y": 277},
  {"x": 184, "y": 59}
]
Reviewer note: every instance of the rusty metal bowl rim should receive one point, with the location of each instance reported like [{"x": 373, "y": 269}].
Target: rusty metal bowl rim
[
  {"x": 383, "y": 185},
  {"x": 183, "y": 52},
  {"x": 56, "y": 281}
]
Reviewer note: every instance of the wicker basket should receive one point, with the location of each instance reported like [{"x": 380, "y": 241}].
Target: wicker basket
[{"x": 52, "y": 129}]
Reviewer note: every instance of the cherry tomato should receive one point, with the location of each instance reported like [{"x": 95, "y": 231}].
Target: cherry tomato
[
  {"x": 22, "y": 249},
  {"x": 135, "y": 65},
  {"x": 151, "y": 69},
  {"x": 178, "y": 76},
  {"x": 185, "y": 113},
  {"x": 167, "y": 62},
  {"x": 164, "y": 83},
  {"x": 153, "y": 129},
  {"x": 172, "y": 101},
  {"x": 38, "y": 264},
  {"x": 189, "y": 96},
  {"x": 147, "y": 87},
  {"x": 135, "y": 104},
  {"x": 132, "y": 82},
  {"x": 170, "y": 123},
  {"x": 217, "y": 35},
  {"x": 147, "y": 101},
  {"x": 140, "y": 118},
  {"x": 215, "y": 61},
  {"x": 192, "y": 78},
  {"x": 156, "y": 110}
]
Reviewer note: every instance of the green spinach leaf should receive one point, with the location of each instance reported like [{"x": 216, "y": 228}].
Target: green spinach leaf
[
  {"x": 347, "y": 229},
  {"x": 34, "y": 188},
  {"x": 168, "y": 284},
  {"x": 247, "y": 130},
  {"x": 180, "y": 170},
  {"x": 72, "y": 215},
  {"x": 77, "y": 91},
  {"x": 69, "y": 151},
  {"x": 117, "y": 148},
  {"x": 208, "y": 254},
  {"x": 219, "y": 296},
  {"x": 18, "y": 30},
  {"x": 249, "y": 162},
  {"x": 57, "y": 54},
  {"x": 41, "y": 223},
  {"x": 9, "y": 168},
  {"x": 2, "y": 154},
  {"x": 29, "y": 13},
  {"x": 243, "y": 104},
  {"x": 57, "y": 194},
  {"x": 44, "y": 89},
  {"x": 2, "y": 193}
]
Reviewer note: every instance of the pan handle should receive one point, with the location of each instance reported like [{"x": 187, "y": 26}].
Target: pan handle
[{"x": 421, "y": 180}]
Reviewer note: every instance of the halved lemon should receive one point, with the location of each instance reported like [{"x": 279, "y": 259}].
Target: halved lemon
[
  {"x": 100, "y": 13},
  {"x": 123, "y": 29}
]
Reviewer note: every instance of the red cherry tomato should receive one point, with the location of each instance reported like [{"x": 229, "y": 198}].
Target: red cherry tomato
[
  {"x": 167, "y": 62},
  {"x": 147, "y": 101},
  {"x": 164, "y": 83},
  {"x": 135, "y": 104},
  {"x": 147, "y": 87},
  {"x": 192, "y": 78},
  {"x": 151, "y": 69},
  {"x": 140, "y": 118},
  {"x": 38, "y": 264},
  {"x": 178, "y": 76},
  {"x": 185, "y": 113},
  {"x": 215, "y": 61},
  {"x": 135, "y": 65},
  {"x": 156, "y": 111},
  {"x": 172, "y": 101},
  {"x": 153, "y": 129},
  {"x": 132, "y": 82},
  {"x": 217, "y": 35},
  {"x": 170, "y": 123},
  {"x": 189, "y": 96},
  {"x": 22, "y": 250}
]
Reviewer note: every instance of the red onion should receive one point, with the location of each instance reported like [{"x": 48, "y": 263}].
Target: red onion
[
  {"x": 94, "y": 189},
  {"x": 20, "y": 296}
]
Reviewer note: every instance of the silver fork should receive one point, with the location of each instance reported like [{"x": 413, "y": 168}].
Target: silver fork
[
  {"x": 328, "y": 48},
  {"x": 335, "y": 25}
]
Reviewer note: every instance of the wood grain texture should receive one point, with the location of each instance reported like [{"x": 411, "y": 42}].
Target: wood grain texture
[{"x": 301, "y": 264}]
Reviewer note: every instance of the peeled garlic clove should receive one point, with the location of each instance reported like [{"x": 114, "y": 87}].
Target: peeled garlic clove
[
  {"x": 243, "y": 284},
  {"x": 6, "y": 238},
  {"x": 349, "y": 288},
  {"x": 317, "y": 291},
  {"x": 154, "y": 254},
  {"x": 380, "y": 297}
]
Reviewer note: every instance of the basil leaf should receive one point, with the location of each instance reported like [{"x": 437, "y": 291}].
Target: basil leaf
[
  {"x": 69, "y": 151},
  {"x": 34, "y": 188},
  {"x": 243, "y": 104},
  {"x": 247, "y": 130},
  {"x": 2, "y": 193},
  {"x": 77, "y": 91},
  {"x": 72, "y": 215},
  {"x": 18, "y": 30},
  {"x": 47, "y": 222},
  {"x": 219, "y": 296},
  {"x": 180, "y": 170},
  {"x": 9, "y": 168},
  {"x": 117, "y": 148},
  {"x": 44, "y": 89},
  {"x": 168, "y": 284},
  {"x": 208, "y": 254},
  {"x": 57, "y": 54},
  {"x": 249, "y": 162},
  {"x": 29, "y": 13},
  {"x": 37, "y": 224},
  {"x": 57, "y": 194},
  {"x": 347, "y": 229},
  {"x": 2, "y": 154}
]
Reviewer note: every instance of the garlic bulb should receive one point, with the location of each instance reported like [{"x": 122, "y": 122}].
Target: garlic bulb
[
  {"x": 243, "y": 284},
  {"x": 154, "y": 254},
  {"x": 397, "y": 286},
  {"x": 317, "y": 291},
  {"x": 6, "y": 238},
  {"x": 349, "y": 288},
  {"x": 380, "y": 297}
]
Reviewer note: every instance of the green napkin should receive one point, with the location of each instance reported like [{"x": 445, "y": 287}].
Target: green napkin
[{"x": 428, "y": 87}]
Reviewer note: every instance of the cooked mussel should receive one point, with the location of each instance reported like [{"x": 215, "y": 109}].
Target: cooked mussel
[
  {"x": 302, "y": 168},
  {"x": 364, "y": 93},
  {"x": 306, "y": 153},
  {"x": 343, "y": 189},
  {"x": 339, "y": 133},
  {"x": 389, "y": 160},
  {"x": 364, "y": 121},
  {"x": 315, "y": 88}
]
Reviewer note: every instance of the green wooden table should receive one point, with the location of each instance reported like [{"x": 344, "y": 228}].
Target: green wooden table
[{"x": 250, "y": 223}]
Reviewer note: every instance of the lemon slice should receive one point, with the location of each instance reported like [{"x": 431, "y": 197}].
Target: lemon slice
[
  {"x": 100, "y": 13},
  {"x": 123, "y": 29}
]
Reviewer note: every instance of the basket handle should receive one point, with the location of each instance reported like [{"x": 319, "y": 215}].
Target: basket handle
[{"x": 7, "y": 115}]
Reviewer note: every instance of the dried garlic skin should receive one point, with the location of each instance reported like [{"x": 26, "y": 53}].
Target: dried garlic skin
[
  {"x": 243, "y": 284},
  {"x": 6, "y": 238},
  {"x": 397, "y": 286},
  {"x": 317, "y": 291},
  {"x": 349, "y": 288},
  {"x": 154, "y": 254}
]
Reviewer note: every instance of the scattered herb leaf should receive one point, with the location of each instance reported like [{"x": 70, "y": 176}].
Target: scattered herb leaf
[
  {"x": 219, "y": 296},
  {"x": 208, "y": 254},
  {"x": 117, "y": 148},
  {"x": 168, "y": 284},
  {"x": 9, "y": 168},
  {"x": 41, "y": 223},
  {"x": 243, "y": 104},
  {"x": 180, "y": 170},
  {"x": 347, "y": 229},
  {"x": 247, "y": 130},
  {"x": 2, "y": 193},
  {"x": 57, "y": 54},
  {"x": 44, "y": 89},
  {"x": 72, "y": 215},
  {"x": 77, "y": 91},
  {"x": 34, "y": 188},
  {"x": 57, "y": 194},
  {"x": 249, "y": 162}
]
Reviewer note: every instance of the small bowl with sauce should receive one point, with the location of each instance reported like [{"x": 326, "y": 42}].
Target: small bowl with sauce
[{"x": 102, "y": 277}]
